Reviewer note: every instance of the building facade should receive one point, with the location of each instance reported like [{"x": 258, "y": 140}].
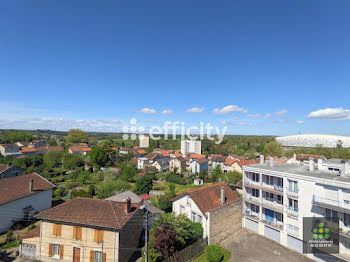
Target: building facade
[{"x": 191, "y": 146}]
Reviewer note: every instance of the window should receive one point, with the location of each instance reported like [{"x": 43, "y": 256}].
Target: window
[
  {"x": 269, "y": 180},
  {"x": 293, "y": 204},
  {"x": 199, "y": 219},
  {"x": 57, "y": 230},
  {"x": 98, "y": 236},
  {"x": 193, "y": 217},
  {"x": 98, "y": 256},
  {"x": 188, "y": 201},
  {"x": 182, "y": 209},
  {"x": 292, "y": 186},
  {"x": 279, "y": 217},
  {"x": 56, "y": 251},
  {"x": 255, "y": 177},
  {"x": 255, "y": 192},
  {"x": 254, "y": 208},
  {"x": 268, "y": 196},
  {"x": 346, "y": 219},
  {"x": 279, "y": 199},
  {"x": 77, "y": 233}
]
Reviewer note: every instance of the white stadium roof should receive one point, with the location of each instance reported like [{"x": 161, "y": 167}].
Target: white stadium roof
[{"x": 313, "y": 140}]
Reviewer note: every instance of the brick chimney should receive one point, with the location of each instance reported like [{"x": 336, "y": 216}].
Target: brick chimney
[
  {"x": 127, "y": 205},
  {"x": 31, "y": 185},
  {"x": 223, "y": 197}
]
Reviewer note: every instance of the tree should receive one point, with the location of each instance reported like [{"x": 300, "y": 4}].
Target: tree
[
  {"x": 231, "y": 177},
  {"x": 273, "y": 149},
  {"x": 109, "y": 188},
  {"x": 216, "y": 173},
  {"x": 203, "y": 174},
  {"x": 144, "y": 184},
  {"x": 99, "y": 156},
  {"x": 72, "y": 161},
  {"x": 164, "y": 239},
  {"x": 53, "y": 159},
  {"x": 77, "y": 136},
  {"x": 16, "y": 136},
  {"x": 129, "y": 173}
]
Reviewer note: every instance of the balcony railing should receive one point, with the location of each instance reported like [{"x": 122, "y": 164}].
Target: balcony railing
[
  {"x": 272, "y": 205},
  {"x": 330, "y": 203},
  {"x": 273, "y": 187},
  {"x": 275, "y": 223},
  {"x": 293, "y": 193},
  {"x": 251, "y": 214},
  {"x": 292, "y": 211},
  {"x": 251, "y": 198},
  {"x": 249, "y": 182}
]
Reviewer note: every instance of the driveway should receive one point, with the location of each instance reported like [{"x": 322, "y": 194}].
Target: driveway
[{"x": 250, "y": 247}]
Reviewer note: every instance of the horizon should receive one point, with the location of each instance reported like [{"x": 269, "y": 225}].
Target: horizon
[{"x": 255, "y": 68}]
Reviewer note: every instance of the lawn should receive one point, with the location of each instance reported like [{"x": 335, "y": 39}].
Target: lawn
[
  {"x": 202, "y": 258},
  {"x": 182, "y": 188}
]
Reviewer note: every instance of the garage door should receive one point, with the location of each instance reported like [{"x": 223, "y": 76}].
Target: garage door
[
  {"x": 28, "y": 250},
  {"x": 272, "y": 233},
  {"x": 295, "y": 244},
  {"x": 252, "y": 225}
]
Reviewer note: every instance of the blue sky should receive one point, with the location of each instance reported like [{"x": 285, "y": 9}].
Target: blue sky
[{"x": 268, "y": 67}]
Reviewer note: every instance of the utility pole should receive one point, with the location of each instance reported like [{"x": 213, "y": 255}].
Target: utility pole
[{"x": 146, "y": 237}]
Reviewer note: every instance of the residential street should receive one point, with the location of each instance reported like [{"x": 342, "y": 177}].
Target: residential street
[{"x": 247, "y": 246}]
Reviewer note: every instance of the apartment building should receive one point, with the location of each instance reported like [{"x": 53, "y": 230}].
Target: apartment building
[
  {"x": 277, "y": 196},
  {"x": 191, "y": 146}
]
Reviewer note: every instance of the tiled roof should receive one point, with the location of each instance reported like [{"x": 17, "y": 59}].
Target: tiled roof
[
  {"x": 91, "y": 211},
  {"x": 28, "y": 149},
  {"x": 197, "y": 156},
  {"x": 141, "y": 151},
  {"x": 9, "y": 146},
  {"x": 86, "y": 149},
  {"x": 244, "y": 162},
  {"x": 4, "y": 167},
  {"x": 219, "y": 158},
  {"x": 32, "y": 233},
  {"x": 214, "y": 155},
  {"x": 150, "y": 156},
  {"x": 75, "y": 148},
  {"x": 181, "y": 159},
  {"x": 121, "y": 196},
  {"x": 177, "y": 155},
  {"x": 164, "y": 153},
  {"x": 14, "y": 188},
  {"x": 307, "y": 156},
  {"x": 145, "y": 197},
  {"x": 208, "y": 198},
  {"x": 201, "y": 160},
  {"x": 230, "y": 161}
]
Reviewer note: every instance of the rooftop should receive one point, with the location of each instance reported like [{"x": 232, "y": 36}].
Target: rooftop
[
  {"x": 302, "y": 170},
  {"x": 121, "y": 196}
]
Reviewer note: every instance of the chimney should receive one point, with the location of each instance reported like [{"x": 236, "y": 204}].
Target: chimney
[
  {"x": 262, "y": 160},
  {"x": 31, "y": 185},
  {"x": 223, "y": 198},
  {"x": 319, "y": 163},
  {"x": 311, "y": 164},
  {"x": 271, "y": 161},
  {"x": 127, "y": 205}
]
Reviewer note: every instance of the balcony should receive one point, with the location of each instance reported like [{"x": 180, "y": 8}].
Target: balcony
[
  {"x": 293, "y": 193},
  {"x": 252, "y": 184},
  {"x": 276, "y": 189},
  {"x": 251, "y": 214},
  {"x": 251, "y": 199},
  {"x": 275, "y": 223},
  {"x": 292, "y": 211},
  {"x": 340, "y": 206},
  {"x": 273, "y": 205}
]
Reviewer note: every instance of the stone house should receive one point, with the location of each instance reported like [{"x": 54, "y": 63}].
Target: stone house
[
  {"x": 86, "y": 229},
  {"x": 216, "y": 207},
  {"x": 177, "y": 163}
]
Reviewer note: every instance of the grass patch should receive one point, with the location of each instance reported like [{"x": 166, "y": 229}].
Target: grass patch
[
  {"x": 203, "y": 258},
  {"x": 10, "y": 244}
]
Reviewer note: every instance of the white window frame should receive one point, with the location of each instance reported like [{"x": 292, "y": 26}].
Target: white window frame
[{"x": 56, "y": 251}]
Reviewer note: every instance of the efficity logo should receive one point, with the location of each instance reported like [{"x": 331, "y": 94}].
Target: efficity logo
[
  {"x": 320, "y": 231},
  {"x": 170, "y": 130}
]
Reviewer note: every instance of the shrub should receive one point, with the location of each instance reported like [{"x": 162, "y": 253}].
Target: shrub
[
  {"x": 175, "y": 179},
  {"x": 144, "y": 184},
  {"x": 79, "y": 193},
  {"x": 214, "y": 253},
  {"x": 107, "y": 189}
]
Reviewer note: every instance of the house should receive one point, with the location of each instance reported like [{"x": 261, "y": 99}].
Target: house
[
  {"x": 79, "y": 150},
  {"x": 28, "y": 151},
  {"x": 139, "y": 153},
  {"x": 10, "y": 150},
  {"x": 87, "y": 229},
  {"x": 37, "y": 143},
  {"x": 210, "y": 157},
  {"x": 161, "y": 164},
  {"x": 198, "y": 182},
  {"x": 244, "y": 162},
  {"x": 198, "y": 164},
  {"x": 231, "y": 165},
  {"x": 24, "y": 195},
  {"x": 218, "y": 161},
  {"x": 9, "y": 170},
  {"x": 46, "y": 149},
  {"x": 277, "y": 197},
  {"x": 142, "y": 163},
  {"x": 22, "y": 143},
  {"x": 178, "y": 164},
  {"x": 124, "y": 150},
  {"x": 216, "y": 207}
]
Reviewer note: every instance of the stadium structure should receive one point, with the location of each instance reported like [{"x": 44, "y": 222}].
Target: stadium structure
[{"x": 314, "y": 140}]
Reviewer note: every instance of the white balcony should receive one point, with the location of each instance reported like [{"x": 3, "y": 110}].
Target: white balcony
[
  {"x": 275, "y": 223},
  {"x": 292, "y": 211},
  {"x": 272, "y": 188},
  {"x": 293, "y": 193},
  {"x": 251, "y": 214},
  {"x": 331, "y": 204},
  {"x": 250, "y": 183},
  {"x": 273, "y": 205},
  {"x": 252, "y": 199}
]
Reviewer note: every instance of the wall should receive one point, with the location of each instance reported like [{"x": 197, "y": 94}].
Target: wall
[
  {"x": 14, "y": 210},
  {"x": 225, "y": 221},
  {"x": 10, "y": 172}
]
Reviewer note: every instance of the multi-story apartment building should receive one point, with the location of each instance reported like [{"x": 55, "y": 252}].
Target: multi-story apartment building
[
  {"x": 191, "y": 146},
  {"x": 277, "y": 196}
]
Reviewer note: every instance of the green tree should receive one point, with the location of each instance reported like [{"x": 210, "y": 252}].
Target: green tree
[
  {"x": 99, "y": 156},
  {"x": 53, "y": 159},
  {"x": 129, "y": 173},
  {"x": 273, "y": 148},
  {"x": 216, "y": 173},
  {"x": 231, "y": 177},
  {"x": 107, "y": 189},
  {"x": 72, "y": 161},
  {"x": 144, "y": 184},
  {"x": 77, "y": 136}
]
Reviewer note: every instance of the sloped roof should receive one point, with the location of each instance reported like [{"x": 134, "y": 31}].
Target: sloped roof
[
  {"x": 201, "y": 160},
  {"x": 219, "y": 158},
  {"x": 230, "y": 161},
  {"x": 4, "y": 167},
  {"x": 32, "y": 233},
  {"x": 208, "y": 198},
  {"x": 121, "y": 196},
  {"x": 180, "y": 158},
  {"x": 245, "y": 162},
  {"x": 28, "y": 149},
  {"x": 14, "y": 188},
  {"x": 197, "y": 156},
  {"x": 91, "y": 211}
]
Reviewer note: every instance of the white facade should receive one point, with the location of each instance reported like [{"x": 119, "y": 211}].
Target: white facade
[
  {"x": 277, "y": 196},
  {"x": 142, "y": 163},
  {"x": 185, "y": 205},
  {"x": 314, "y": 140},
  {"x": 24, "y": 208},
  {"x": 191, "y": 146},
  {"x": 144, "y": 141}
]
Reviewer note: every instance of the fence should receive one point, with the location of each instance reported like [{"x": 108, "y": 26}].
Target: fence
[{"x": 190, "y": 252}]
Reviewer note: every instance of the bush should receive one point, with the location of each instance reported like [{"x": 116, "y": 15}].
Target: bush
[
  {"x": 79, "y": 193},
  {"x": 144, "y": 184},
  {"x": 214, "y": 253},
  {"x": 175, "y": 179},
  {"x": 107, "y": 189}
]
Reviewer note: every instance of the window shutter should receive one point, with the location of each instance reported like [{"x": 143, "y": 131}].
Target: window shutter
[
  {"x": 100, "y": 236},
  {"x": 96, "y": 235},
  {"x": 54, "y": 230},
  {"x": 104, "y": 256},
  {"x": 79, "y": 233},
  {"x": 59, "y": 230},
  {"x": 75, "y": 233},
  {"x": 50, "y": 250},
  {"x": 91, "y": 256},
  {"x": 61, "y": 251}
]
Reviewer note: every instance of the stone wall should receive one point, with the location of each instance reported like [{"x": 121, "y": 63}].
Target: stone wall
[{"x": 225, "y": 221}]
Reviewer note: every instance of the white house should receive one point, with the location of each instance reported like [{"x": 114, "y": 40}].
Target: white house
[
  {"x": 142, "y": 163},
  {"x": 198, "y": 164},
  {"x": 211, "y": 206},
  {"x": 23, "y": 196},
  {"x": 277, "y": 196}
]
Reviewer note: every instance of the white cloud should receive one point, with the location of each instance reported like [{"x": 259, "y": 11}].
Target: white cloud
[
  {"x": 300, "y": 122},
  {"x": 195, "y": 110},
  {"x": 254, "y": 115},
  {"x": 148, "y": 111},
  {"x": 282, "y": 112},
  {"x": 267, "y": 116},
  {"x": 229, "y": 109},
  {"x": 167, "y": 112},
  {"x": 331, "y": 114}
]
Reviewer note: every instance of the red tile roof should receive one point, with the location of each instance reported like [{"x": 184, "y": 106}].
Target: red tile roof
[
  {"x": 230, "y": 161},
  {"x": 141, "y": 151},
  {"x": 213, "y": 155},
  {"x": 150, "y": 156},
  {"x": 201, "y": 160},
  {"x": 86, "y": 149},
  {"x": 145, "y": 197},
  {"x": 246, "y": 162},
  {"x": 208, "y": 198},
  {"x": 14, "y": 188},
  {"x": 177, "y": 155},
  {"x": 164, "y": 153},
  {"x": 28, "y": 149},
  {"x": 75, "y": 148},
  {"x": 197, "y": 156},
  {"x": 4, "y": 167},
  {"x": 91, "y": 211},
  {"x": 307, "y": 156},
  {"x": 32, "y": 233}
]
